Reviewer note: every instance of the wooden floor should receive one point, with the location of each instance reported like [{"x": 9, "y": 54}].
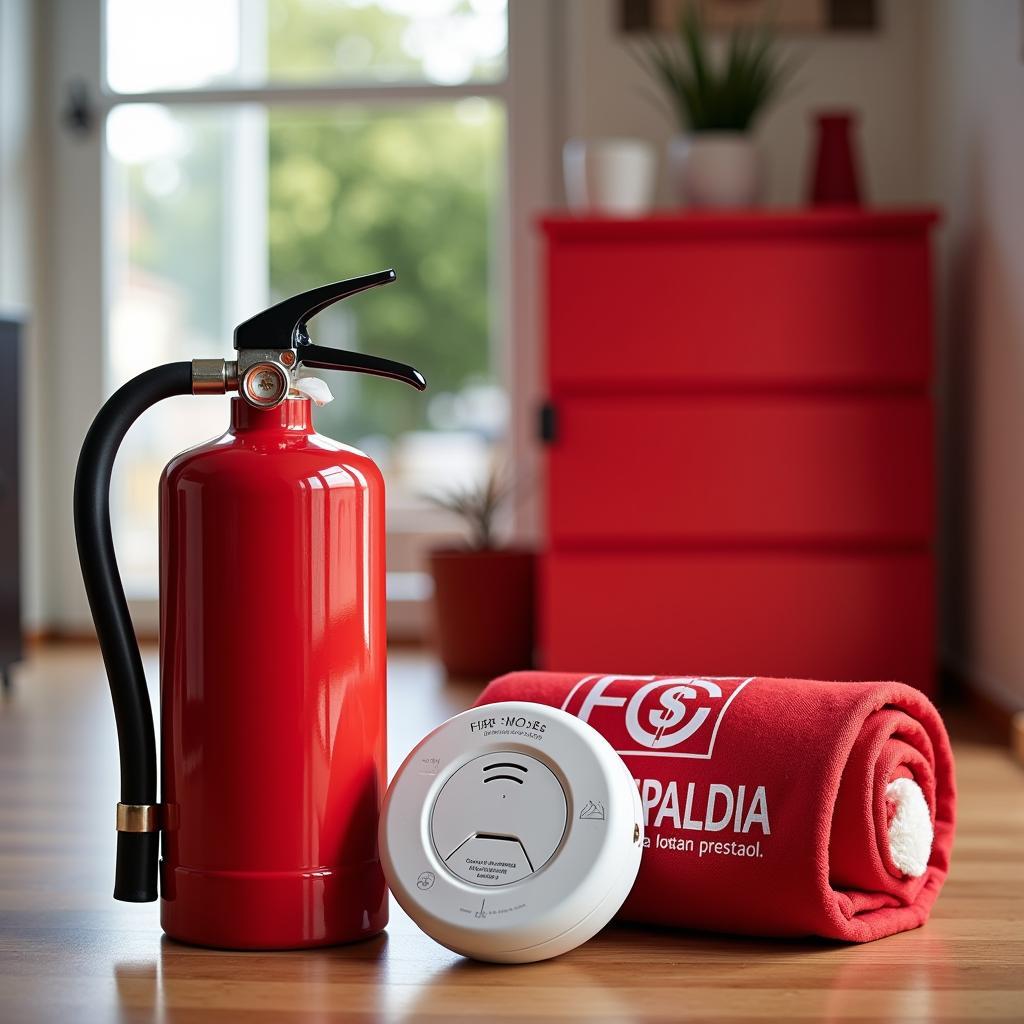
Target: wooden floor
[{"x": 69, "y": 953}]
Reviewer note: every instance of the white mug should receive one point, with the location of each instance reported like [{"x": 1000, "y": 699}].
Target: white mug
[{"x": 611, "y": 176}]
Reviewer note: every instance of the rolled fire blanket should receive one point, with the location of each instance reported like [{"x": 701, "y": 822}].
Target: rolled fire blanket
[{"x": 779, "y": 807}]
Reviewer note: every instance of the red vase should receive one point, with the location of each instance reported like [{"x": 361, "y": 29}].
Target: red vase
[{"x": 836, "y": 179}]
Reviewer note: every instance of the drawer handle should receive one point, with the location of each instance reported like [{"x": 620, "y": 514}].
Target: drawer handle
[{"x": 547, "y": 423}]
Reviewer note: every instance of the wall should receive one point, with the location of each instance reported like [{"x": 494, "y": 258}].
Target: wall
[
  {"x": 20, "y": 217},
  {"x": 606, "y": 92},
  {"x": 974, "y": 76}
]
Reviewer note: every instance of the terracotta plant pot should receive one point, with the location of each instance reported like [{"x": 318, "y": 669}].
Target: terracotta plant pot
[{"x": 483, "y": 602}]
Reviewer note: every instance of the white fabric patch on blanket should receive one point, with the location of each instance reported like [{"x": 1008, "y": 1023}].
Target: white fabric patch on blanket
[{"x": 910, "y": 831}]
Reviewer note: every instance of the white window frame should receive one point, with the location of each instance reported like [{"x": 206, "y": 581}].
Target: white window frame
[{"x": 72, "y": 271}]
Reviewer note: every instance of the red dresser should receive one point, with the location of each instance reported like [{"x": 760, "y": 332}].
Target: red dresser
[{"x": 739, "y": 437}]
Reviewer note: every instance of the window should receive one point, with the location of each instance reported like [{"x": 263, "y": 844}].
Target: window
[{"x": 290, "y": 143}]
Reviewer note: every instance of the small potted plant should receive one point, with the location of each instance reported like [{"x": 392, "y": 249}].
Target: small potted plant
[
  {"x": 483, "y": 592},
  {"x": 714, "y": 160}
]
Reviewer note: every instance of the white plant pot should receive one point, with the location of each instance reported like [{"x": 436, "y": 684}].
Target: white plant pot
[
  {"x": 715, "y": 169},
  {"x": 611, "y": 176}
]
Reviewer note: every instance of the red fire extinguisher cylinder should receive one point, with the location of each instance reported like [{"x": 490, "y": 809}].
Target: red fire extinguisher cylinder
[{"x": 272, "y": 654}]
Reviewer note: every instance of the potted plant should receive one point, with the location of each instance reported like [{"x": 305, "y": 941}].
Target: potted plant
[
  {"x": 714, "y": 160},
  {"x": 483, "y": 592}
]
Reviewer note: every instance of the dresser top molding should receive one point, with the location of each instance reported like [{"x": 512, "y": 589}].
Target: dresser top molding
[{"x": 768, "y": 222}]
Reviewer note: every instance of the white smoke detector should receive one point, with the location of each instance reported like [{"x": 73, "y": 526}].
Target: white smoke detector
[{"x": 512, "y": 833}]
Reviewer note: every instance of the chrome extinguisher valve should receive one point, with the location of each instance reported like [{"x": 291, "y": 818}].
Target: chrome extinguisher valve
[{"x": 264, "y": 376}]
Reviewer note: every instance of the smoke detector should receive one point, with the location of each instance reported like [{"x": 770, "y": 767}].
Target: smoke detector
[{"x": 512, "y": 833}]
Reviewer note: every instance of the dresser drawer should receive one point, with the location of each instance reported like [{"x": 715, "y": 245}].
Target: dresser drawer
[
  {"x": 764, "y": 468},
  {"x": 762, "y": 309},
  {"x": 797, "y": 614}
]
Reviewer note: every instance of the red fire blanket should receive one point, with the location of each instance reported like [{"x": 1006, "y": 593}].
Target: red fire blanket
[{"x": 776, "y": 807}]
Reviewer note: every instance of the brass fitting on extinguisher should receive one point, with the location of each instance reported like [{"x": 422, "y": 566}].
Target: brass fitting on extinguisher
[{"x": 138, "y": 817}]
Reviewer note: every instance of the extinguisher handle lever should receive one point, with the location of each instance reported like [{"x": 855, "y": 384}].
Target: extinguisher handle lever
[
  {"x": 322, "y": 358},
  {"x": 284, "y": 325}
]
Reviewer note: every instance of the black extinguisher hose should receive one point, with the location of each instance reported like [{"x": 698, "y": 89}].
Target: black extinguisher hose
[{"x": 135, "y": 879}]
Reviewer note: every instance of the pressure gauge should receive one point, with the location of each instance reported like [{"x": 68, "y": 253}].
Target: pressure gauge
[{"x": 512, "y": 833}]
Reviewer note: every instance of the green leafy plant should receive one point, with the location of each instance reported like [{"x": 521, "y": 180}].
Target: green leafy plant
[
  {"x": 478, "y": 505},
  {"x": 716, "y": 96}
]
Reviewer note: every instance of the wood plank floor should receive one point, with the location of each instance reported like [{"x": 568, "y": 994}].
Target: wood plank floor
[{"x": 69, "y": 953}]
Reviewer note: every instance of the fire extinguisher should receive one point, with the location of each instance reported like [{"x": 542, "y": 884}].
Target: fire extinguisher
[{"x": 272, "y": 651}]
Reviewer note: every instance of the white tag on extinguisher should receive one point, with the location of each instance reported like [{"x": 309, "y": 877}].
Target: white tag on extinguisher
[{"x": 313, "y": 388}]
